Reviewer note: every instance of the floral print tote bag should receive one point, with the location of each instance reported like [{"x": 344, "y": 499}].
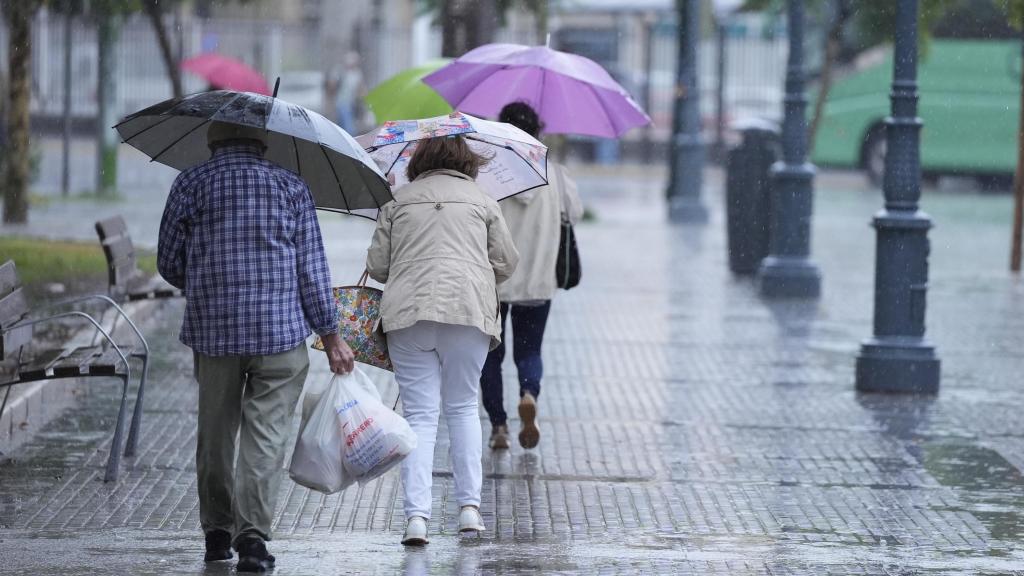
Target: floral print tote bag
[{"x": 358, "y": 316}]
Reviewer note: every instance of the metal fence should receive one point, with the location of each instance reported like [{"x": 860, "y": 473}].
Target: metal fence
[
  {"x": 640, "y": 54},
  {"x": 141, "y": 75}
]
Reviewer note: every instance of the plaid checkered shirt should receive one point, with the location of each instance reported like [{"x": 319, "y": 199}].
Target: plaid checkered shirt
[{"x": 240, "y": 236}]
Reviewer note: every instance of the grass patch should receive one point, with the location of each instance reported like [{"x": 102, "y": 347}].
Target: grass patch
[{"x": 80, "y": 266}]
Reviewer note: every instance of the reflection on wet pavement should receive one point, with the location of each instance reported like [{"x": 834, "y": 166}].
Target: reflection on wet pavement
[{"x": 688, "y": 428}]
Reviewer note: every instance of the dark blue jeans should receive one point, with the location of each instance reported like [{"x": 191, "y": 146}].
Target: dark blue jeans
[{"x": 528, "y": 324}]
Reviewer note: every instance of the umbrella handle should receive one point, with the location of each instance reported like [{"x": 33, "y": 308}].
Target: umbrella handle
[{"x": 277, "y": 84}]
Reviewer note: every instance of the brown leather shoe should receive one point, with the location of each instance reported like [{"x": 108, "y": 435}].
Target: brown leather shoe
[
  {"x": 499, "y": 437},
  {"x": 529, "y": 436}
]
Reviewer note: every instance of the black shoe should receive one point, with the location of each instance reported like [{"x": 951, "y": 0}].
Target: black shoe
[
  {"x": 253, "y": 555},
  {"x": 218, "y": 546}
]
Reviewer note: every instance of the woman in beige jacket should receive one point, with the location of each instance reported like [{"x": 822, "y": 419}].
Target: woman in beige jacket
[
  {"x": 534, "y": 218},
  {"x": 441, "y": 248}
]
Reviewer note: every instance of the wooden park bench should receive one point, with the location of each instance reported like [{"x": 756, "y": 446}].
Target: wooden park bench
[
  {"x": 126, "y": 283},
  {"x": 21, "y": 361}
]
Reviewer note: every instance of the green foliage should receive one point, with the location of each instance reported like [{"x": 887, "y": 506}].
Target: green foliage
[
  {"x": 1014, "y": 10},
  {"x": 80, "y": 265},
  {"x": 875, "y": 20}
]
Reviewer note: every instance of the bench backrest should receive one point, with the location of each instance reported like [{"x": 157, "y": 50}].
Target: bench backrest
[
  {"x": 117, "y": 247},
  {"x": 13, "y": 307}
]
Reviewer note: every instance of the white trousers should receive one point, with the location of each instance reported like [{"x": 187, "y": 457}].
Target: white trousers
[{"x": 438, "y": 366}]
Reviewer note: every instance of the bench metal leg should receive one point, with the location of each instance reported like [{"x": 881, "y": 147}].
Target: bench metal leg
[
  {"x": 3, "y": 405},
  {"x": 114, "y": 459},
  {"x": 133, "y": 430}
]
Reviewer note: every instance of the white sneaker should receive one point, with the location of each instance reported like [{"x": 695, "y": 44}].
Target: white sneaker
[
  {"x": 415, "y": 532},
  {"x": 470, "y": 520}
]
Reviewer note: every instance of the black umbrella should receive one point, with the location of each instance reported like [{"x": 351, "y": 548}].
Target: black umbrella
[{"x": 340, "y": 174}]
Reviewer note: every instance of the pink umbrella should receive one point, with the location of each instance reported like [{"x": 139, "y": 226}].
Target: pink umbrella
[
  {"x": 572, "y": 94},
  {"x": 226, "y": 73}
]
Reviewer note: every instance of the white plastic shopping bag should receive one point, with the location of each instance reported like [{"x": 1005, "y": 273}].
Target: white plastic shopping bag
[
  {"x": 317, "y": 459},
  {"x": 376, "y": 438},
  {"x": 348, "y": 436}
]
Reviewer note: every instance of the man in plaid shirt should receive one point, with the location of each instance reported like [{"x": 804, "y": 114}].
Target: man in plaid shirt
[{"x": 240, "y": 236}]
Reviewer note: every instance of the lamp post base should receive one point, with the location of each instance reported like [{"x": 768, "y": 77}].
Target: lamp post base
[
  {"x": 898, "y": 365},
  {"x": 687, "y": 210},
  {"x": 782, "y": 277}
]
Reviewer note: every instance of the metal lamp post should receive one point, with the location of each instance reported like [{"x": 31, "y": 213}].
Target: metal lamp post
[
  {"x": 686, "y": 165},
  {"x": 788, "y": 271},
  {"x": 898, "y": 358}
]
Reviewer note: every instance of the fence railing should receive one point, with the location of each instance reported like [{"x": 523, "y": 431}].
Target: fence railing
[{"x": 641, "y": 57}]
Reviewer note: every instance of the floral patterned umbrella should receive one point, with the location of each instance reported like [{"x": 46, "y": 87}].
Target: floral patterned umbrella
[{"x": 518, "y": 162}]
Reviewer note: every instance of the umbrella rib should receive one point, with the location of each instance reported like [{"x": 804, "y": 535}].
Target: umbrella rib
[
  {"x": 360, "y": 170},
  {"x": 528, "y": 163},
  {"x": 336, "y": 179},
  {"x": 198, "y": 126},
  {"x": 397, "y": 157},
  {"x": 144, "y": 130},
  {"x": 298, "y": 165},
  {"x": 607, "y": 116},
  {"x": 168, "y": 111},
  {"x": 183, "y": 136}
]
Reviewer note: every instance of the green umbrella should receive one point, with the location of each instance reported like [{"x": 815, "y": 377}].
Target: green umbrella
[{"x": 405, "y": 97}]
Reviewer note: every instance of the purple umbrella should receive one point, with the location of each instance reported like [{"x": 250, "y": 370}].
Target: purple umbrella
[{"x": 572, "y": 94}]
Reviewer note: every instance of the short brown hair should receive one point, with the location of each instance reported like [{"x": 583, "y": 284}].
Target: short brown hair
[{"x": 445, "y": 153}]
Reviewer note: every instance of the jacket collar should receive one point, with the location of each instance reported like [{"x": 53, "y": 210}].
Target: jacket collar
[{"x": 443, "y": 172}]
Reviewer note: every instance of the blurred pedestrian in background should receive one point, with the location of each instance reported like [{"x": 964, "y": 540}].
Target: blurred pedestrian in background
[
  {"x": 346, "y": 85},
  {"x": 441, "y": 248},
  {"x": 534, "y": 219}
]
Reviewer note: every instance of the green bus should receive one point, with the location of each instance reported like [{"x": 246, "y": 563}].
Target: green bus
[{"x": 969, "y": 102}]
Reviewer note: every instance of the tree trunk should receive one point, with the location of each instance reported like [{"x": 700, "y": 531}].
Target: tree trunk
[
  {"x": 452, "y": 28},
  {"x": 19, "y": 19},
  {"x": 1018, "y": 186},
  {"x": 832, "y": 45},
  {"x": 106, "y": 143},
  {"x": 155, "y": 13},
  {"x": 466, "y": 24}
]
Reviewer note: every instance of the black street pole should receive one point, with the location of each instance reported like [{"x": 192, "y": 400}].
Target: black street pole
[
  {"x": 788, "y": 271},
  {"x": 898, "y": 358},
  {"x": 686, "y": 164},
  {"x": 720, "y": 32}
]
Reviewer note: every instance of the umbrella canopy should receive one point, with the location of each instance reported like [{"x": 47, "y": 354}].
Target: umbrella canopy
[
  {"x": 404, "y": 96},
  {"x": 226, "y": 73},
  {"x": 518, "y": 162},
  {"x": 572, "y": 94},
  {"x": 340, "y": 174}
]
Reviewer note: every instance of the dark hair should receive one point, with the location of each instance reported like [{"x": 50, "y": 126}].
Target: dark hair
[
  {"x": 522, "y": 116},
  {"x": 445, "y": 153}
]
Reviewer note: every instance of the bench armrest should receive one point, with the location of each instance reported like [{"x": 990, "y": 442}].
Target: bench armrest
[
  {"x": 110, "y": 301},
  {"x": 73, "y": 313}
]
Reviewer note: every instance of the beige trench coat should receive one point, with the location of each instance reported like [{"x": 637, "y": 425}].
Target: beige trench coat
[
  {"x": 441, "y": 248},
  {"x": 535, "y": 220}
]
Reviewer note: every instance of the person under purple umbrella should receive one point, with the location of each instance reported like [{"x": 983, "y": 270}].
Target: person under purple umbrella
[{"x": 534, "y": 220}]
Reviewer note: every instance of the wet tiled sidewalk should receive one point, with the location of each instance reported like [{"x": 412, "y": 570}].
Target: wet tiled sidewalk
[{"x": 688, "y": 427}]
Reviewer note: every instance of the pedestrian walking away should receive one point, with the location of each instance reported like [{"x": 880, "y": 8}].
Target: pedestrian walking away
[
  {"x": 534, "y": 220},
  {"x": 240, "y": 236},
  {"x": 441, "y": 248}
]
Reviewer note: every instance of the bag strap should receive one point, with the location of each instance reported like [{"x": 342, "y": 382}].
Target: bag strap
[
  {"x": 362, "y": 279},
  {"x": 560, "y": 176}
]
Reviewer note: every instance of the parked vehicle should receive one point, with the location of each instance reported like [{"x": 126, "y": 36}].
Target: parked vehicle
[{"x": 969, "y": 103}]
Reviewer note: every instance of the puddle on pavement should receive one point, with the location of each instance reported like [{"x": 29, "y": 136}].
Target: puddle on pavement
[{"x": 990, "y": 487}]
